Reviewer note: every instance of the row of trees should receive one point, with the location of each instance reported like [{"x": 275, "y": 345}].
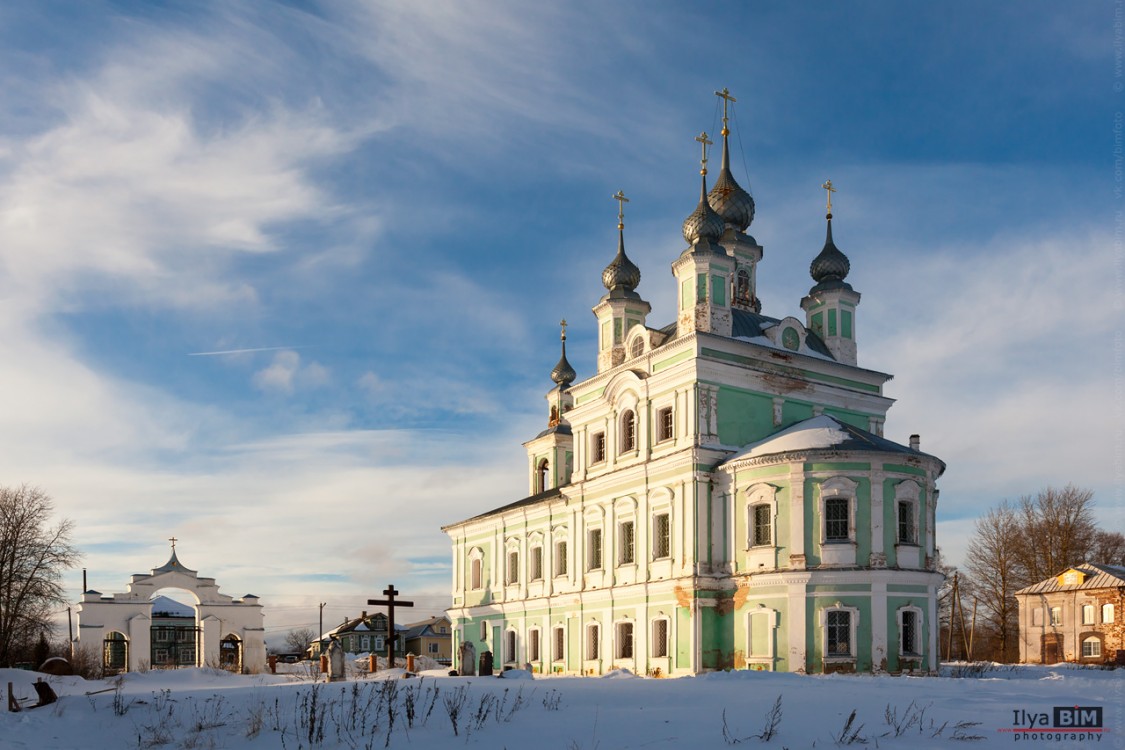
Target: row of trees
[{"x": 1017, "y": 544}]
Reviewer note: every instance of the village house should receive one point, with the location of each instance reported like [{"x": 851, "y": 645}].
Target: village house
[
  {"x": 432, "y": 638},
  {"x": 361, "y": 635},
  {"x": 1074, "y": 616}
]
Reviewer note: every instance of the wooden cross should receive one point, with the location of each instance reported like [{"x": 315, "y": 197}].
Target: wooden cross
[
  {"x": 703, "y": 139},
  {"x": 621, "y": 201},
  {"x": 172, "y": 539},
  {"x": 828, "y": 187},
  {"x": 727, "y": 99},
  {"x": 390, "y": 604}
]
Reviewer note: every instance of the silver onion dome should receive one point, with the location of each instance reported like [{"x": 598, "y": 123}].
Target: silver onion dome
[
  {"x": 729, "y": 200},
  {"x": 563, "y": 374},
  {"x": 831, "y": 264},
  {"x": 621, "y": 273},
  {"x": 703, "y": 223}
]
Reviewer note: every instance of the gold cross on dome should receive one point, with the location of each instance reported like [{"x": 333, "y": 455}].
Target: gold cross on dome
[
  {"x": 828, "y": 187},
  {"x": 703, "y": 139},
  {"x": 563, "y": 324},
  {"x": 173, "y": 540},
  {"x": 621, "y": 201},
  {"x": 727, "y": 99}
]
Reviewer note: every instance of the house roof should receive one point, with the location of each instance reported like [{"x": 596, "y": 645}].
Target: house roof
[
  {"x": 163, "y": 606},
  {"x": 361, "y": 625},
  {"x": 1097, "y": 576},
  {"x": 419, "y": 629}
]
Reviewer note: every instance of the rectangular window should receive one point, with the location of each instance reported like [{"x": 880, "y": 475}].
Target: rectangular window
[
  {"x": 513, "y": 567},
  {"x": 536, "y": 564},
  {"x": 560, "y": 558},
  {"x": 1087, "y": 614},
  {"x": 1091, "y": 648},
  {"x": 560, "y": 644},
  {"x": 381, "y": 642},
  {"x": 365, "y": 643},
  {"x": 433, "y": 648},
  {"x": 533, "y": 644},
  {"x": 762, "y": 520},
  {"x": 594, "y": 549},
  {"x": 484, "y": 630},
  {"x": 836, "y": 519},
  {"x": 664, "y": 424},
  {"x": 627, "y": 543},
  {"x": 1037, "y": 617},
  {"x": 1107, "y": 613},
  {"x": 661, "y": 536},
  {"x": 839, "y": 635},
  {"x": 592, "y": 634},
  {"x": 659, "y": 638},
  {"x": 624, "y": 640},
  {"x": 597, "y": 448},
  {"x": 1056, "y": 616},
  {"x": 510, "y": 646},
  {"x": 906, "y": 522},
  {"x": 909, "y": 632}
]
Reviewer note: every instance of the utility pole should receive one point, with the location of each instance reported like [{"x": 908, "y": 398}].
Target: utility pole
[
  {"x": 320, "y": 633},
  {"x": 70, "y": 633}
]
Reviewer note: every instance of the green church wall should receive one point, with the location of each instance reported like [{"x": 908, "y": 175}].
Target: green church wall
[
  {"x": 814, "y": 634},
  {"x": 854, "y": 418},
  {"x": 683, "y": 638}
]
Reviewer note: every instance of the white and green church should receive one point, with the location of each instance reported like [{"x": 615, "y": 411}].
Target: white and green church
[{"x": 718, "y": 495}]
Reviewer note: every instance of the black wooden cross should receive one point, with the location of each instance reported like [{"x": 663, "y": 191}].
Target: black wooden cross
[{"x": 390, "y": 604}]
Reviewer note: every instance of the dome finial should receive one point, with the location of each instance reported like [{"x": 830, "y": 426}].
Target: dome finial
[
  {"x": 619, "y": 196},
  {"x": 563, "y": 374},
  {"x": 727, "y": 197},
  {"x": 830, "y": 190},
  {"x": 831, "y": 266},
  {"x": 703, "y": 223},
  {"x": 727, "y": 99},
  {"x": 621, "y": 276}
]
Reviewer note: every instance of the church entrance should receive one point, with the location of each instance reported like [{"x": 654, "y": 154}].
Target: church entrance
[
  {"x": 175, "y": 635},
  {"x": 115, "y": 653},
  {"x": 230, "y": 653}
]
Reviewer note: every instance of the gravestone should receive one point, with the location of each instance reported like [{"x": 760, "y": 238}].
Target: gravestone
[
  {"x": 485, "y": 664},
  {"x": 468, "y": 659},
  {"x": 336, "y": 662}
]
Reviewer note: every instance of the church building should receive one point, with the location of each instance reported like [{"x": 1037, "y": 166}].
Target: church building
[{"x": 719, "y": 494}]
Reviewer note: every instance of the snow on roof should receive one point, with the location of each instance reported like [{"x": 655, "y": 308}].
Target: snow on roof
[
  {"x": 818, "y": 432},
  {"x": 163, "y": 605},
  {"x": 1097, "y": 577}
]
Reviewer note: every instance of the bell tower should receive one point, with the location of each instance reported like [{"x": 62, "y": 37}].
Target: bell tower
[
  {"x": 830, "y": 306},
  {"x": 621, "y": 308}
]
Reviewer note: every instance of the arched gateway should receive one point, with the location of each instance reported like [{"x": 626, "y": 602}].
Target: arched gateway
[{"x": 135, "y": 629}]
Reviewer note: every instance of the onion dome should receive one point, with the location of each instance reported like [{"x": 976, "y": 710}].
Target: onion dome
[
  {"x": 703, "y": 223},
  {"x": 563, "y": 374},
  {"x": 621, "y": 275},
  {"x": 727, "y": 197},
  {"x": 830, "y": 265}
]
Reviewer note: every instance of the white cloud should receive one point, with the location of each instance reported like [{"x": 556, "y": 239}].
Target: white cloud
[{"x": 286, "y": 373}]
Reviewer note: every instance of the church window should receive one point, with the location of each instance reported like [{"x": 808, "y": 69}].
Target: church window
[
  {"x": 483, "y": 631},
  {"x": 908, "y": 630},
  {"x": 510, "y": 647},
  {"x": 1107, "y": 613},
  {"x": 1056, "y": 616},
  {"x": 535, "y": 563},
  {"x": 560, "y": 557},
  {"x": 836, "y": 519},
  {"x": 661, "y": 536},
  {"x": 659, "y": 644},
  {"x": 513, "y": 567},
  {"x": 543, "y": 476},
  {"x": 831, "y": 322},
  {"x": 742, "y": 287},
  {"x": 761, "y": 524},
  {"x": 719, "y": 290},
  {"x": 628, "y": 431},
  {"x": 839, "y": 633},
  {"x": 594, "y": 549},
  {"x": 597, "y": 448},
  {"x": 846, "y": 324},
  {"x": 533, "y": 644},
  {"x": 1088, "y": 614},
  {"x": 790, "y": 339},
  {"x": 906, "y": 532},
  {"x": 624, "y": 640},
  {"x": 638, "y": 347},
  {"x": 558, "y": 652},
  {"x": 593, "y": 635},
  {"x": 627, "y": 543},
  {"x": 664, "y": 424},
  {"x": 1091, "y": 647},
  {"x": 475, "y": 577}
]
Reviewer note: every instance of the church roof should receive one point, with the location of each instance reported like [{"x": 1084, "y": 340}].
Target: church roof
[
  {"x": 824, "y": 433},
  {"x": 173, "y": 565},
  {"x": 751, "y": 327},
  {"x": 527, "y": 501},
  {"x": 1097, "y": 576}
]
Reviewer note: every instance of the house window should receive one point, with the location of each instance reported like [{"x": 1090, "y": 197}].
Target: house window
[
  {"x": 906, "y": 523},
  {"x": 1087, "y": 614},
  {"x": 627, "y": 543},
  {"x": 592, "y": 636},
  {"x": 838, "y": 633},
  {"x": 761, "y": 522},
  {"x": 624, "y": 640},
  {"x": 432, "y": 648},
  {"x": 533, "y": 644},
  {"x": 380, "y": 642},
  {"x": 365, "y": 642},
  {"x": 559, "y": 644},
  {"x": 1107, "y": 613},
  {"x": 1091, "y": 647},
  {"x": 659, "y": 638},
  {"x": 1037, "y": 617},
  {"x": 593, "y": 549},
  {"x": 661, "y": 536},
  {"x": 628, "y": 431},
  {"x": 1056, "y": 616},
  {"x": 597, "y": 448},
  {"x": 513, "y": 567},
  {"x": 836, "y": 519},
  {"x": 664, "y": 424},
  {"x": 543, "y": 476},
  {"x": 510, "y": 646},
  {"x": 909, "y": 632},
  {"x": 560, "y": 558},
  {"x": 535, "y": 563}
]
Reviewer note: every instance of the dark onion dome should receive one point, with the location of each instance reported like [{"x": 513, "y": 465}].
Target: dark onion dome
[
  {"x": 728, "y": 199},
  {"x": 621, "y": 275},
  {"x": 831, "y": 266},
  {"x": 563, "y": 374},
  {"x": 703, "y": 224}
]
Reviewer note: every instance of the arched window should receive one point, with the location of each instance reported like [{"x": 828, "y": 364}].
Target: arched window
[
  {"x": 742, "y": 287},
  {"x": 543, "y": 476},
  {"x": 628, "y": 431},
  {"x": 638, "y": 347},
  {"x": 1107, "y": 613},
  {"x": 1091, "y": 647},
  {"x": 115, "y": 655}
]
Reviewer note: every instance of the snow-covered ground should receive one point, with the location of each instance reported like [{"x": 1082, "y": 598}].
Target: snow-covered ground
[{"x": 202, "y": 708}]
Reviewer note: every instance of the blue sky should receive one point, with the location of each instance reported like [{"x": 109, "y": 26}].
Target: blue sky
[{"x": 389, "y": 207}]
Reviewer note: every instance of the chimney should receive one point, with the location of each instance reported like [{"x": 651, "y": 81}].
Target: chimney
[
  {"x": 363, "y": 615},
  {"x": 915, "y": 441}
]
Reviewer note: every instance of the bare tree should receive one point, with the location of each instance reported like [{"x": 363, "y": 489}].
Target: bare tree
[
  {"x": 993, "y": 560},
  {"x": 1108, "y": 548},
  {"x": 1058, "y": 530},
  {"x": 33, "y": 556},
  {"x": 297, "y": 641}
]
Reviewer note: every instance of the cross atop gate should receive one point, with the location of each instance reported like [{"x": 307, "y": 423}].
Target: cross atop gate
[{"x": 390, "y": 592}]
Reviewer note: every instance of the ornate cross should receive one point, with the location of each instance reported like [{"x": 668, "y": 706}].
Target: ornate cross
[
  {"x": 828, "y": 187},
  {"x": 563, "y": 324},
  {"x": 390, "y": 604},
  {"x": 727, "y": 99},
  {"x": 703, "y": 139},
  {"x": 172, "y": 539},
  {"x": 621, "y": 201}
]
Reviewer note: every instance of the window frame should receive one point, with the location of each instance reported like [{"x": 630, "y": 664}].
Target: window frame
[
  {"x": 624, "y": 640},
  {"x": 558, "y": 643},
  {"x": 909, "y": 524},
  {"x": 1108, "y": 614},
  {"x": 838, "y": 488},
  {"x": 661, "y": 538},
  {"x": 595, "y": 562},
  {"x": 837, "y": 510},
  {"x": 917, "y": 647},
  {"x": 593, "y": 641},
  {"x": 659, "y": 648},
  {"x": 665, "y": 424},
  {"x": 754, "y": 509},
  {"x": 560, "y": 562},
  {"x": 533, "y": 645},
  {"x": 628, "y": 424},
  {"x": 597, "y": 448},
  {"x": 476, "y": 569},
  {"x": 627, "y": 542},
  {"x": 511, "y": 647},
  {"x": 512, "y": 567},
  {"x": 1095, "y": 640},
  {"x": 535, "y": 563},
  {"x": 1055, "y": 617},
  {"x": 1089, "y": 614},
  {"x": 835, "y": 612}
]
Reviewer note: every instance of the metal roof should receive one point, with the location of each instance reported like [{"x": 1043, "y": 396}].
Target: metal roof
[{"x": 1097, "y": 577}]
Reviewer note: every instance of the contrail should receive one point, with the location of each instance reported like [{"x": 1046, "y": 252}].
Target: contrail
[{"x": 241, "y": 351}]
